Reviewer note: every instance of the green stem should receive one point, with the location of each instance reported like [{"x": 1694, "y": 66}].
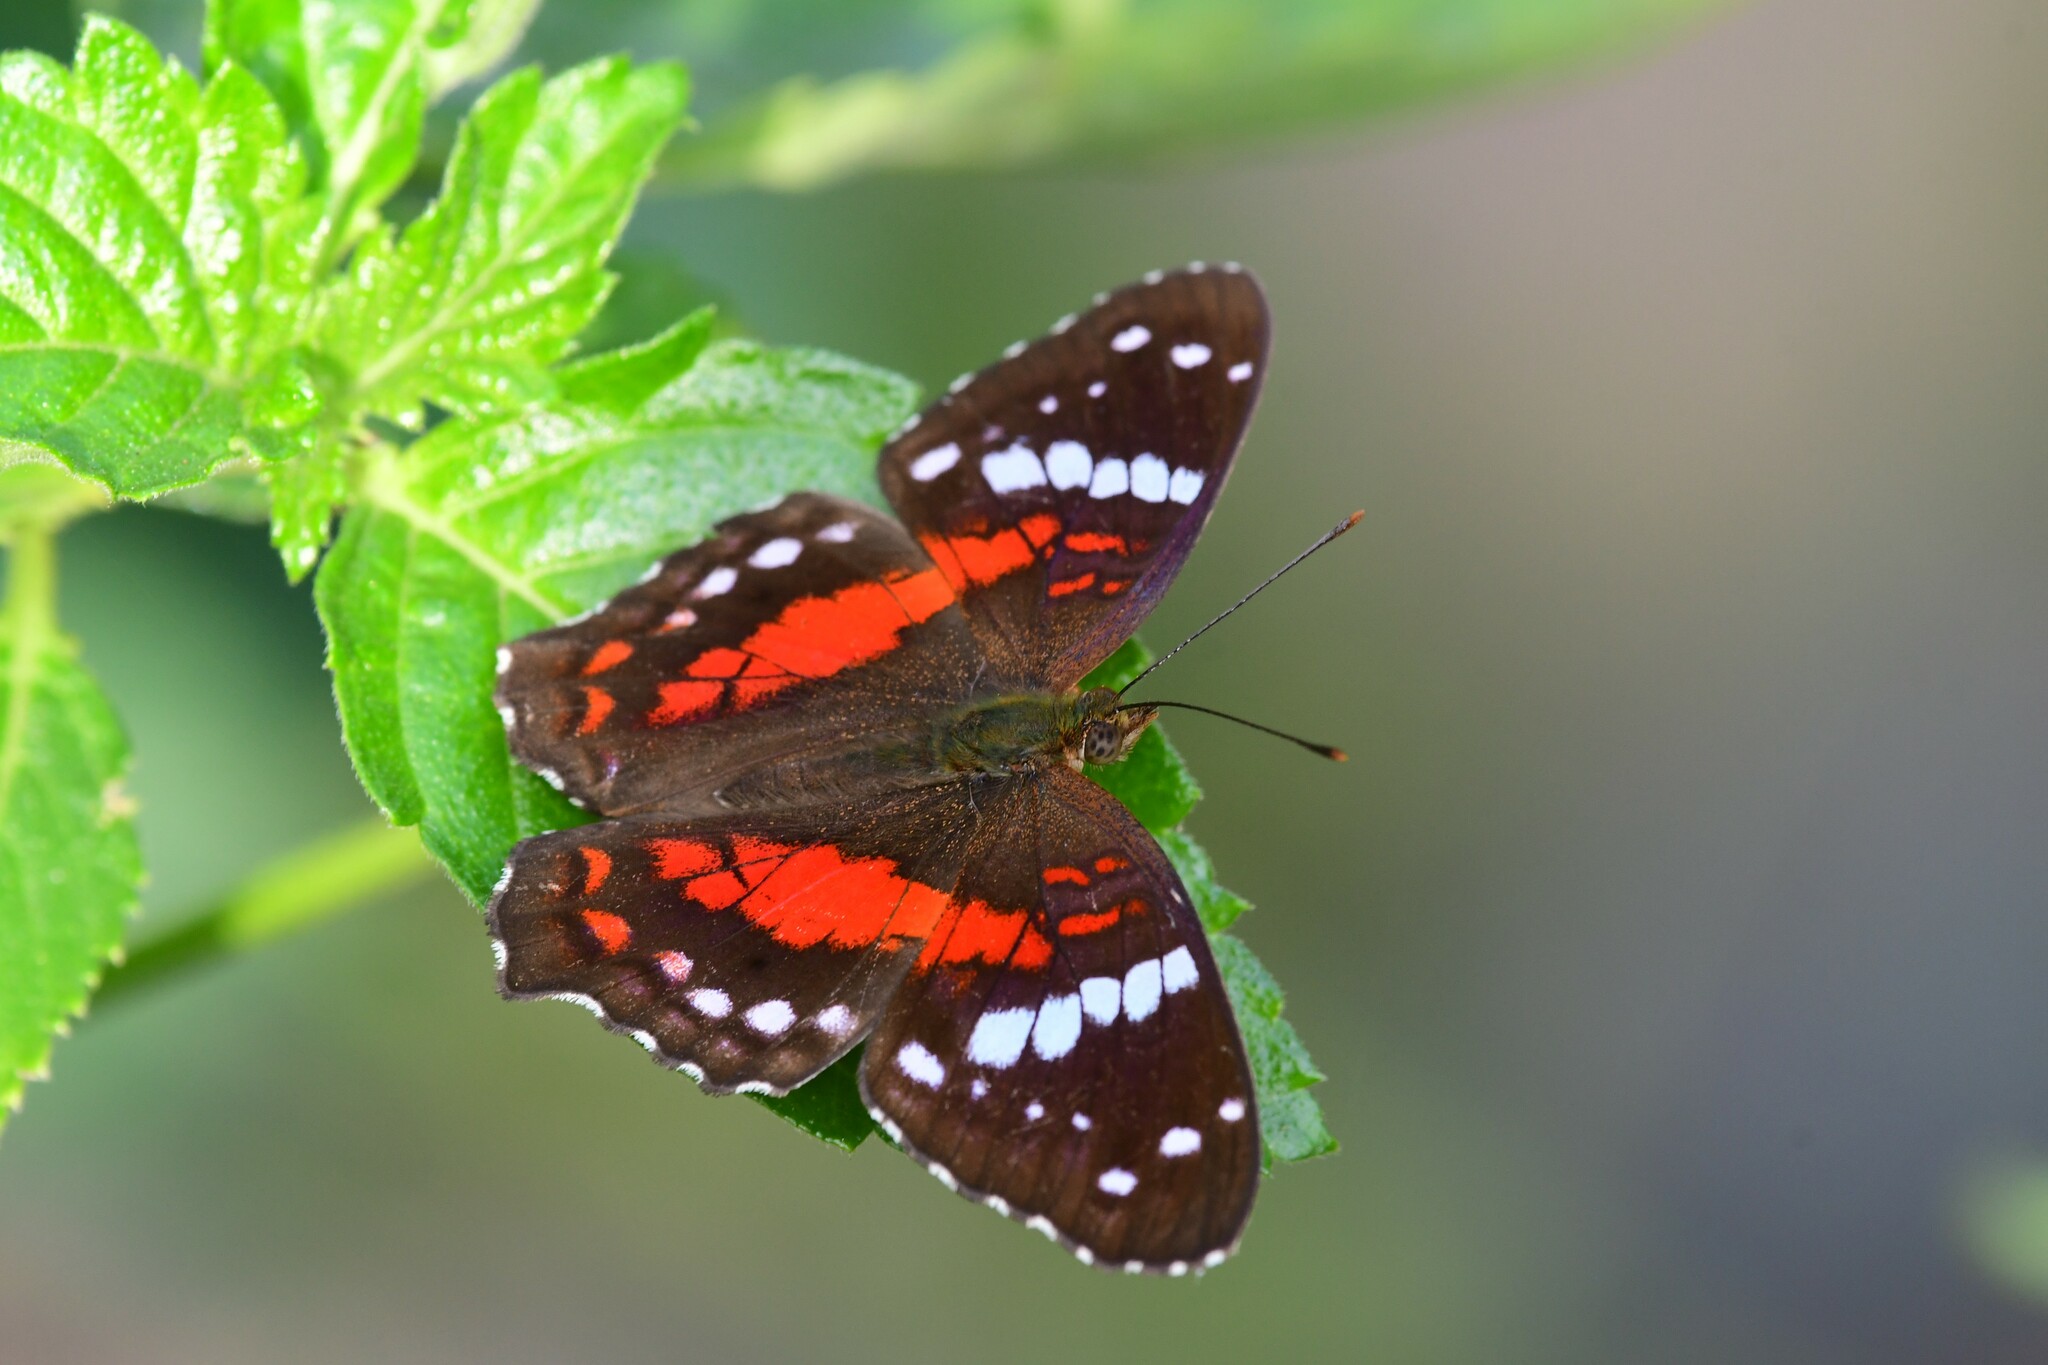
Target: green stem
[{"x": 303, "y": 887}]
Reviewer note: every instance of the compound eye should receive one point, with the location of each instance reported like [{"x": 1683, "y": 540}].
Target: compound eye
[{"x": 1101, "y": 745}]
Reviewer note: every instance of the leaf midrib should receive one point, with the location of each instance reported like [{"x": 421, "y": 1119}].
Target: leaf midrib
[{"x": 384, "y": 489}]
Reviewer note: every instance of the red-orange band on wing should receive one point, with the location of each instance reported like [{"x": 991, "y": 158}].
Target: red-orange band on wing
[
  {"x": 812, "y": 637},
  {"x": 803, "y": 897}
]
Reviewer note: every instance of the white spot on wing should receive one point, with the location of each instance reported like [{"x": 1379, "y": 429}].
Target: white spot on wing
[
  {"x": 675, "y": 966},
  {"x": 935, "y": 462},
  {"x": 1068, "y": 464},
  {"x": 1048, "y": 404},
  {"x": 1100, "y": 997},
  {"x": 716, "y": 583},
  {"x": 838, "y": 533},
  {"x": 1130, "y": 338},
  {"x": 1034, "y": 1111},
  {"x": 1013, "y": 350},
  {"x": 1185, "y": 486},
  {"x": 715, "y": 1004},
  {"x": 1058, "y": 1027},
  {"x": 1082, "y": 1123},
  {"x": 1117, "y": 1181},
  {"x": 1154, "y": 276},
  {"x": 916, "y": 1061},
  {"x": 1240, "y": 372},
  {"x": 1230, "y": 1111},
  {"x": 772, "y": 1017},
  {"x": 1097, "y": 389},
  {"x": 979, "y": 1089},
  {"x": 506, "y": 715},
  {"x": 778, "y": 553},
  {"x": 998, "y": 1037},
  {"x": 678, "y": 619},
  {"x": 1149, "y": 478},
  {"x": 504, "y": 659},
  {"x": 1180, "y": 1142},
  {"x": 1111, "y": 478},
  {"x": 1141, "y": 990},
  {"x": 1012, "y": 470},
  {"x": 1177, "y": 969},
  {"x": 1192, "y": 354},
  {"x": 836, "y": 1020},
  {"x": 1064, "y": 323}
]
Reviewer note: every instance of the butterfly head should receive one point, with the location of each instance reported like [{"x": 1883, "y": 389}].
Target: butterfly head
[{"x": 1104, "y": 729}]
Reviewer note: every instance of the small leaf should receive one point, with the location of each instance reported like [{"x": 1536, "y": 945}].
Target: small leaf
[
  {"x": 69, "y": 862},
  {"x": 304, "y": 494},
  {"x": 352, "y": 80},
  {"x": 487, "y": 530},
  {"x": 136, "y": 292},
  {"x": 489, "y": 31},
  {"x": 470, "y": 304},
  {"x": 828, "y": 1106}
]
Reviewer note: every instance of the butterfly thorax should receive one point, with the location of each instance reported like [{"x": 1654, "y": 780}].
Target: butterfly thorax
[{"x": 1007, "y": 734}]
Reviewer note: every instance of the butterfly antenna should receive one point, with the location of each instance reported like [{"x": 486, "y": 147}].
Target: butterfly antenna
[
  {"x": 1329, "y": 751},
  {"x": 1339, "y": 529}
]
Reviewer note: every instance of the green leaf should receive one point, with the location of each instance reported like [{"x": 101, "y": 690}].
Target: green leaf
[
  {"x": 1152, "y": 781},
  {"x": 1021, "y": 82},
  {"x": 1218, "y": 906},
  {"x": 352, "y": 78},
  {"x": 1156, "y": 787},
  {"x": 487, "y": 530},
  {"x": 304, "y": 494},
  {"x": 69, "y": 863},
  {"x": 1289, "y": 1119},
  {"x": 140, "y": 298},
  {"x": 469, "y": 305},
  {"x": 487, "y": 33}
]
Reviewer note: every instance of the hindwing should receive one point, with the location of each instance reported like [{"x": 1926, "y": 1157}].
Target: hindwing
[{"x": 1084, "y": 1075}]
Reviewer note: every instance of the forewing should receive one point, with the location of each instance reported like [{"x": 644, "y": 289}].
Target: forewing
[
  {"x": 1086, "y": 1074},
  {"x": 757, "y": 654},
  {"x": 749, "y": 949},
  {"x": 1060, "y": 489}
]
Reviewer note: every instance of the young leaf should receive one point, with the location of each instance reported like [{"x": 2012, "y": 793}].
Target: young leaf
[
  {"x": 487, "y": 530},
  {"x": 69, "y": 863},
  {"x": 352, "y": 79},
  {"x": 468, "y": 306},
  {"x": 137, "y": 296}
]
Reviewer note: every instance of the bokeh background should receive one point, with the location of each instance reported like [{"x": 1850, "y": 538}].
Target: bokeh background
[{"x": 1676, "y": 940}]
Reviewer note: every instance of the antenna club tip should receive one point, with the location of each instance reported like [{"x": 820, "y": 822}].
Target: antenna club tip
[{"x": 1340, "y": 756}]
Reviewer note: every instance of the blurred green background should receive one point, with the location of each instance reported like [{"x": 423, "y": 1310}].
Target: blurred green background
[{"x": 1675, "y": 940}]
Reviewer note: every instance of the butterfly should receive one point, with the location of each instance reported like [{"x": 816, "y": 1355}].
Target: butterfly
[{"x": 840, "y": 762}]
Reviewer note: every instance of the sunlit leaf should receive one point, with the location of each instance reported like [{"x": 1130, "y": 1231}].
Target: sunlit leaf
[
  {"x": 140, "y": 302},
  {"x": 471, "y": 302}
]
